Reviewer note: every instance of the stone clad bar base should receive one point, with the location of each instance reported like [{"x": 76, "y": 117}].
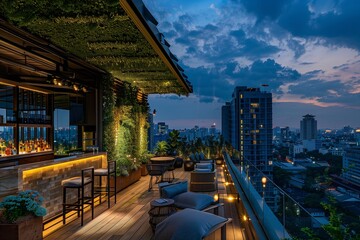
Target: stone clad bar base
[{"x": 45, "y": 177}]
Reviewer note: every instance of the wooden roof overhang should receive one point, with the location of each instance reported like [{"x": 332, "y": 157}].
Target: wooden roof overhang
[
  {"x": 126, "y": 43},
  {"x": 31, "y": 62}
]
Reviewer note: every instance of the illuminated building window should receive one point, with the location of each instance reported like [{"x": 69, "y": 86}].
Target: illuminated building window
[
  {"x": 254, "y": 142},
  {"x": 254, "y": 105},
  {"x": 254, "y": 116}
]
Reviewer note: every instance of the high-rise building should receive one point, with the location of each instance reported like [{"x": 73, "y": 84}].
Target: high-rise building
[
  {"x": 212, "y": 130},
  {"x": 351, "y": 165},
  {"x": 284, "y": 134},
  {"x": 249, "y": 119},
  {"x": 308, "y": 127},
  {"x": 226, "y": 122},
  {"x": 162, "y": 128}
]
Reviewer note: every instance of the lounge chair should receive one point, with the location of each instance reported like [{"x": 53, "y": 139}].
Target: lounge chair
[
  {"x": 184, "y": 199},
  {"x": 190, "y": 224},
  {"x": 203, "y": 178}
]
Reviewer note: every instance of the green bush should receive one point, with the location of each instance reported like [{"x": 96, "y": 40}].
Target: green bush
[{"x": 25, "y": 203}]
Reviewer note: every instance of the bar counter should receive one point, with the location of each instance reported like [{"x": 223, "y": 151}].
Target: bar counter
[{"x": 45, "y": 177}]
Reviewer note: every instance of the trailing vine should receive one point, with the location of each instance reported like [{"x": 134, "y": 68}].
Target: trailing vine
[{"x": 125, "y": 126}]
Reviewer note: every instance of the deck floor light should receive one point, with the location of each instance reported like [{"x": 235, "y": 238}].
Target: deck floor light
[{"x": 263, "y": 180}]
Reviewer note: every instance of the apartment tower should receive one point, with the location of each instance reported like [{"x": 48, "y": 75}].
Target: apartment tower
[{"x": 247, "y": 125}]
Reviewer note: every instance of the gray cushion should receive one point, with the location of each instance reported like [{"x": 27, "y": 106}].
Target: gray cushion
[
  {"x": 174, "y": 189},
  {"x": 197, "y": 201},
  {"x": 101, "y": 172},
  {"x": 204, "y": 165},
  {"x": 188, "y": 224},
  {"x": 202, "y": 170},
  {"x": 75, "y": 182}
]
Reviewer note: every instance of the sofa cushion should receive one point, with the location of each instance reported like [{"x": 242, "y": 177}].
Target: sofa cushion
[
  {"x": 188, "y": 224},
  {"x": 174, "y": 189},
  {"x": 197, "y": 201},
  {"x": 202, "y": 170},
  {"x": 201, "y": 156},
  {"x": 204, "y": 165}
]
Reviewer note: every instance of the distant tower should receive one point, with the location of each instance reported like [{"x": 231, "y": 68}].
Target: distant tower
[
  {"x": 213, "y": 129},
  {"x": 249, "y": 119},
  {"x": 308, "y": 127},
  {"x": 162, "y": 128},
  {"x": 226, "y": 122},
  {"x": 351, "y": 164}
]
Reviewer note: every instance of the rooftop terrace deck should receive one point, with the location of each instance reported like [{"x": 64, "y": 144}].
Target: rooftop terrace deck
[{"x": 129, "y": 218}]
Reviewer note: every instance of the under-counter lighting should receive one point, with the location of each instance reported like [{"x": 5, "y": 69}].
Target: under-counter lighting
[{"x": 69, "y": 163}]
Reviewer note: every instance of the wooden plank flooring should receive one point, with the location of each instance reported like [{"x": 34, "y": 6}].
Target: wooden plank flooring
[{"x": 128, "y": 219}]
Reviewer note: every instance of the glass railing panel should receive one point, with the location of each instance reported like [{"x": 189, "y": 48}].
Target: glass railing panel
[{"x": 280, "y": 215}]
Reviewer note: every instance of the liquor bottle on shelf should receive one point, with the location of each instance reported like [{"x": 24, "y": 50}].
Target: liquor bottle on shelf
[{"x": 2, "y": 147}]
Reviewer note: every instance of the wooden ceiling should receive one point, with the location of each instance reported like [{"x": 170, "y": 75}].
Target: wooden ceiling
[{"x": 123, "y": 43}]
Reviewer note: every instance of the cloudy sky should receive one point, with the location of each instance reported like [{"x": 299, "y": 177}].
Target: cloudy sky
[{"x": 307, "y": 51}]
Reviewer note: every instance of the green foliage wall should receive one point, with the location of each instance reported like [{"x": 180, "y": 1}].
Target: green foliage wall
[{"x": 125, "y": 125}]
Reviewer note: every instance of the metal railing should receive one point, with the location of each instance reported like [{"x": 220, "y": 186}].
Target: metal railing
[{"x": 273, "y": 213}]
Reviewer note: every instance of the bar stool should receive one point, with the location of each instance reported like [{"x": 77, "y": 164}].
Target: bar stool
[
  {"x": 108, "y": 172},
  {"x": 79, "y": 183}
]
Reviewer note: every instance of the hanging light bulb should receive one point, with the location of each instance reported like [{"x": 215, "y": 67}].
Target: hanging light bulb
[{"x": 76, "y": 87}]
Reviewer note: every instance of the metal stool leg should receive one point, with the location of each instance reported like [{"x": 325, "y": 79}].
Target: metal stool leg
[{"x": 64, "y": 205}]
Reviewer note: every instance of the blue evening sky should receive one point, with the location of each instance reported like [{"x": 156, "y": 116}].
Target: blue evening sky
[{"x": 307, "y": 51}]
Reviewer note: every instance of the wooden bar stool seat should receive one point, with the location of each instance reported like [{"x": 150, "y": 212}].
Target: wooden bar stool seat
[
  {"x": 79, "y": 183},
  {"x": 108, "y": 172}
]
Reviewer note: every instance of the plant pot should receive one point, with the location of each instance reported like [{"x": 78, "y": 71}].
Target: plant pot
[
  {"x": 29, "y": 229},
  {"x": 144, "y": 171},
  {"x": 125, "y": 181}
]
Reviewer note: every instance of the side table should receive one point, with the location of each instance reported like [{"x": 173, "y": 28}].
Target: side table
[{"x": 159, "y": 210}]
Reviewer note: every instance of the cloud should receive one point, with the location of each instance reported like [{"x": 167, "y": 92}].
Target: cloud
[
  {"x": 307, "y": 51},
  {"x": 218, "y": 82},
  {"x": 331, "y": 92},
  {"x": 265, "y": 9},
  {"x": 338, "y": 26}
]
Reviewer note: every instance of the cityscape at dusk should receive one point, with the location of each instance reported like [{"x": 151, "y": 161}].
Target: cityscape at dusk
[
  {"x": 181, "y": 119},
  {"x": 307, "y": 52}
]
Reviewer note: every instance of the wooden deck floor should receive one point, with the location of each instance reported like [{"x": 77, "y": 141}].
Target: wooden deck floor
[{"x": 129, "y": 218}]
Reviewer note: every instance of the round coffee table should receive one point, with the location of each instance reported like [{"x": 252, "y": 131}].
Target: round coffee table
[{"x": 159, "y": 210}]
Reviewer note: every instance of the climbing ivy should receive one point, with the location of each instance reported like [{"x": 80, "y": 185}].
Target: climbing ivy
[{"x": 125, "y": 124}]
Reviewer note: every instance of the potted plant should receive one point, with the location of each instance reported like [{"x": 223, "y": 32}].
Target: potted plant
[
  {"x": 128, "y": 172},
  {"x": 161, "y": 148},
  {"x": 144, "y": 159},
  {"x": 21, "y": 216}
]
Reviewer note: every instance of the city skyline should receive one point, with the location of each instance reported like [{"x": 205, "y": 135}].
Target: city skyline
[{"x": 305, "y": 51}]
